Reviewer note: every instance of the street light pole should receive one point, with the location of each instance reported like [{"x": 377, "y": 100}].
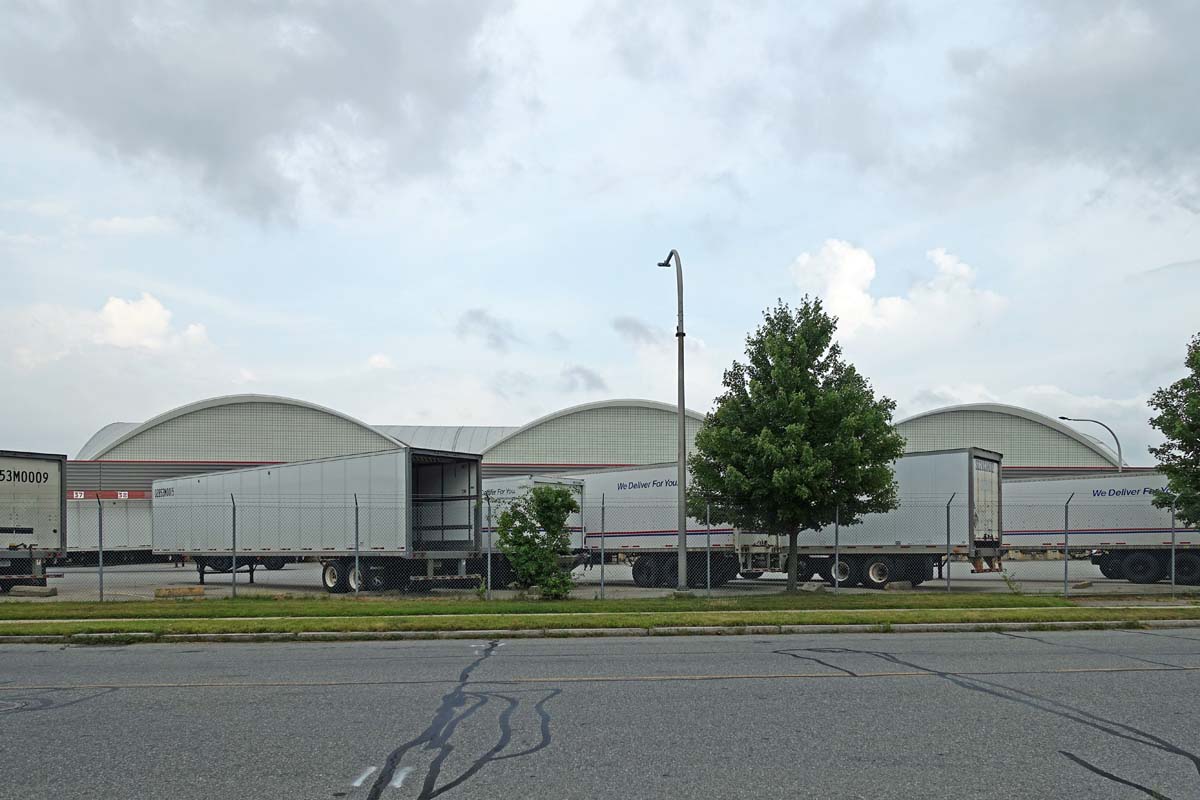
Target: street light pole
[
  {"x": 1120, "y": 459},
  {"x": 682, "y": 455}
]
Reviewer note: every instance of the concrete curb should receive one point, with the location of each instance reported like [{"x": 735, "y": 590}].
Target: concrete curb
[{"x": 565, "y": 633}]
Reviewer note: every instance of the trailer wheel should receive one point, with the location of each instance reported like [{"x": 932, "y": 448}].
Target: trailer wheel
[
  {"x": 335, "y": 576},
  {"x": 849, "y": 572},
  {"x": 1110, "y": 566},
  {"x": 6, "y": 587},
  {"x": 643, "y": 571},
  {"x": 354, "y": 578},
  {"x": 1142, "y": 567},
  {"x": 725, "y": 569},
  {"x": 274, "y": 562},
  {"x": 877, "y": 572},
  {"x": 847, "y": 569},
  {"x": 1187, "y": 568}
]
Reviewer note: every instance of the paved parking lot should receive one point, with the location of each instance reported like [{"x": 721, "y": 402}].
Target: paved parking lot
[{"x": 138, "y": 581}]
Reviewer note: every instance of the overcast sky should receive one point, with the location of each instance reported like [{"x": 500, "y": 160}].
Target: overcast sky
[{"x": 449, "y": 212}]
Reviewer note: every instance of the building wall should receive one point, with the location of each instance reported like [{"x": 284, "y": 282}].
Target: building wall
[
  {"x": 1023, "y": 442},
  {"x": 614, "y": 435},
  {"x": 253, "y": 432}
]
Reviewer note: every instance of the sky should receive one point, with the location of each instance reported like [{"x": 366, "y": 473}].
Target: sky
[{"x": 450, "y": 212}]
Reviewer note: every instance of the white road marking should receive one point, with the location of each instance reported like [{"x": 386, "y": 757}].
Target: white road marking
[
  {"x": 398, "y": 780},
  {"x": 361, "y": 779}
]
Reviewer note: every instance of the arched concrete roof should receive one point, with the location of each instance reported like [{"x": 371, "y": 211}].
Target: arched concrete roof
[
  {"x": 215, "y": 402},
  {"x": 451, "y": 438},
  {"x": 600, "y": 404},
  {"x": 102, "y": 438},
  {"x": 1026, "y": 414}
]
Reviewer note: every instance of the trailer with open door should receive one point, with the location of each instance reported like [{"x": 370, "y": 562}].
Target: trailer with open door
[{"x": 374, "y": 520}]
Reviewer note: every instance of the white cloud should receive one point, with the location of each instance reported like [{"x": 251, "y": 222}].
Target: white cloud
[
  {"x": 842, "y": 274},
  {"x": 380, "y": 361},
  {"x": 144, "y": 322},
  {"x": 133, "y": 226},
  {"x": 45, "y": 332}
]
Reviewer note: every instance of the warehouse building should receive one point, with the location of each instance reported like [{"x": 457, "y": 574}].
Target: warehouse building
[
  {"x": 1032, "y": 443},
  {"x": 239, "y": 430}
]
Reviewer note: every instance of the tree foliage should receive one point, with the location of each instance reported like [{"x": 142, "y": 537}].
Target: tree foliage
[
  {"x": 1178, "y": 418},
  {"x": 532, "y": 533},
  {"x": 797, "y": 436}
]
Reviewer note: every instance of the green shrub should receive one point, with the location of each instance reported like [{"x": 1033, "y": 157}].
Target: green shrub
[{"x": 532, "y": 533}]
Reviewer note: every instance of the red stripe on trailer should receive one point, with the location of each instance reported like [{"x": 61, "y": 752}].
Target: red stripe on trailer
[{"x": 107, "y": 494}]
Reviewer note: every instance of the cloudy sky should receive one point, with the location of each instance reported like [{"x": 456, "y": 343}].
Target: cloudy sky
[{"x": 449, "y": 212}]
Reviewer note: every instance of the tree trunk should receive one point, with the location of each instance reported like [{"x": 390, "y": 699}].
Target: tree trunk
[{"x": 791, "y": 582}]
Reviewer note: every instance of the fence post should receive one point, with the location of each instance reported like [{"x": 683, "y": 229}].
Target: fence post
[
  {"x": 837, "y": 559},
  {"x": 100, "y": 537},
  {"x": 1172, "y": 549},
  {"x": 233, "y": 554},
  {"x": 603, "y": 528},
  {"x": 488, "y": 588},
  {"x": 1067, "y": 544},
  {"x": 948, "y": 549},
  {"x": 358, "y": 579},
  {"x": 708, "y": 549}
]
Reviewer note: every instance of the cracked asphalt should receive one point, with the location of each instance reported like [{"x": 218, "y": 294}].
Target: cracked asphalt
[{"x": 1105, "y": 714}]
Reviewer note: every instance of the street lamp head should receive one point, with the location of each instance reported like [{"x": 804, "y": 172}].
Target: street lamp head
[
  {"x": 665, "y": 263},
  {"x": 1068, "y": 419}
]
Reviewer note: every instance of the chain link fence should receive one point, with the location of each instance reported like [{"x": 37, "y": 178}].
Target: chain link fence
[{"x": 120, "y": 549}]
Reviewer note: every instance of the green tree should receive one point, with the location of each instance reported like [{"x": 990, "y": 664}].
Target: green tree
[
  {"x": 532, "y": 533},
  {"x": 1178, "y": 418},
  {"x": 797, "y": 434}
]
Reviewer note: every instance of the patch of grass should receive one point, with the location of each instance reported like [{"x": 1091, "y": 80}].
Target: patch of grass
[
  {"x": 374, "y": 607},
  {"x": 883, "y": 619}
]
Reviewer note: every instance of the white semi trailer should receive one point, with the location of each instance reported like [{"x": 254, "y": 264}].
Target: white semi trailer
[
  {"x": 1112, "y": 515},
  {"x": 630, "y": 515},
  {"x": 950, "y": 504},
  {"x": 399, "y": 515},
  {"x": 32, "y": 516}
]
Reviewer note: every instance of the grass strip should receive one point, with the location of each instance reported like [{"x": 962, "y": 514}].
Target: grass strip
[
  {"x": 373, "y": 607},
  {"x": 882, "y": 617}
]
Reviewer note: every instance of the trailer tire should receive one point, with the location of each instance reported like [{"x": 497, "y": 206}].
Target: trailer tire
[
  {"x": 335, "y": 576},
  {"x": 6, "y": 587},
  {"x": 274, "y": 562},
  {"x": 849, "y": 573},
  {"x": 1142, "y": 567},
  {"x": 643, "y": 571},
  {"x": 1110, "y": 566},
  {"x": 725, "y": 569},
  {"x": 878, "y": 572},
  {"x": 1187, "y": 568}
]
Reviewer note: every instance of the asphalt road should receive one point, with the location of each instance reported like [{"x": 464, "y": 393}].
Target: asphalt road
[
  {"x": 138, "y": 581},
  {"x": 1038, "y": 715}
]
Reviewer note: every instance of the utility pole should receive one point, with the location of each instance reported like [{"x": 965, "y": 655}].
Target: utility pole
[{"x": 682, "y": 456}]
